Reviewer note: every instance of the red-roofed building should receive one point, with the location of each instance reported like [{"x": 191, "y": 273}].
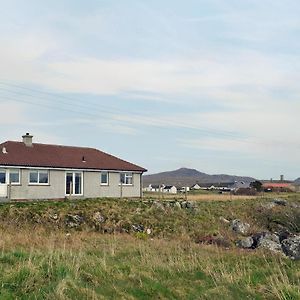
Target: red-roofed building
[
  {"x": 277, "y": 186},
  {"x": 39, "y": 171}
]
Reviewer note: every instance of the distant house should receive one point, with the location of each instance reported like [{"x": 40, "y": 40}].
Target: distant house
[
  {"x": 40, "y": 171},
  {"x": 170, "y": 189},
  {"x": 216, "y": 186},
  {"x": 277, "y": 186},
  {"x": 154, "y": 188},
  {"x": 195, "y": 187},
  {"x": 183, "y": 189}
]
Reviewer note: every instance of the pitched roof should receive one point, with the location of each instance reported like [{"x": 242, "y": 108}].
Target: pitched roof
[
  {"x": 56, "y": 156},
  {"x": 276, "y": 185}
]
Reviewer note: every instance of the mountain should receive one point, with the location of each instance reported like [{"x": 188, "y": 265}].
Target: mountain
[
  {"x": 188, "y": 177},
  {"x": 297, "y": 181}
]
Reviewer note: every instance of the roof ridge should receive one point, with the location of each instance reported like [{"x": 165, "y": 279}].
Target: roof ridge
[{"x": 54, "y": 145}]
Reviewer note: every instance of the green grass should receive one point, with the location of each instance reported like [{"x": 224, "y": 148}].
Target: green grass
[
  {"x": 41, "y": 258},
  {"x": 94, "y": 266}
]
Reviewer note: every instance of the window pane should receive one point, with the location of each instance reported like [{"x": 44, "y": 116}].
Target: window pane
[
  {"x": 104, "y": 178},
  {"x": 33, "y": 177},
  {"x": 122, "y": 178},
  {"x": 43, "y": 177},
  {"x": 14, "y": 176},
  {"x": 77, "y": 183},
  {"x": 2, "y": 177},
  {"x": 69, "y": 180},
  {"x": 128, "y": 178}
]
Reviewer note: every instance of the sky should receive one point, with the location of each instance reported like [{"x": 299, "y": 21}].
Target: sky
[{"x": 205, "y": 84}]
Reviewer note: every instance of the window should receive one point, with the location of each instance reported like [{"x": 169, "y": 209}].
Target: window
[
  {"x": 74, "y": 183},
  {"x": 104, "y": 178},
  {"x": 38, "y": 177},
  {"x": 14, "y": 176},
  {"x": 2, "y": 176},
  {"x": 126, "y": 178}
]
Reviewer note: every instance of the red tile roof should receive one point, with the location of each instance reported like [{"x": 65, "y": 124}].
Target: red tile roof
[
  {"x": 276, "y": 185},
  {"x": 56, "y": 156}
]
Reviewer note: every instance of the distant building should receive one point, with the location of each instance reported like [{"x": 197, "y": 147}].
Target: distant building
[
  {"x": 170, "y": 189},
  {"x": 277, "y": 186}
]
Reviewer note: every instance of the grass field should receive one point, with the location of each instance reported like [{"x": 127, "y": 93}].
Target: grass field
[
  {"x": 39, "y": 265},
  {"x": 42, "y": 258}
]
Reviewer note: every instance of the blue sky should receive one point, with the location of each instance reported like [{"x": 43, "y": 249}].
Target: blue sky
[{"x": 212, "y": 85}]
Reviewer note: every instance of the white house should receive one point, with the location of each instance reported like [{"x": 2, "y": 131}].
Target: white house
[
  {"x": 170, "y": 189},
  {"x": 41, "y": 171}
]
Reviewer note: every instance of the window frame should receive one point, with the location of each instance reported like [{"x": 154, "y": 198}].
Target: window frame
[
  {"x": 107, "y": 178},
  {"x": 127, "y": 175},
  {"x": 7, "y": 173},
  {"x": 38, "y": 177},
  {"x": 9, "y": 176},
  {"x": 74, "y": 182}
]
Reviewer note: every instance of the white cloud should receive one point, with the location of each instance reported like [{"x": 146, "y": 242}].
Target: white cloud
[{"x": 11, "y": 113}]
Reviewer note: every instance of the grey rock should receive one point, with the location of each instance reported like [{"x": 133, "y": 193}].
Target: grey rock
[
  {"x": 98, "y": 218},
  {"x": 184, "y": 204},
  {"x": 74, "y": 221},
  {"x": 240, "y": 227},
  {"x": 268, "y": 241},
  {"x": 158, "y": 205},
  {"x": 291, "y": 247},
  {"x": 190, "y": 204},
  {"x": 245, "y": 243},
  {"x": 177, "y": 205},
  {"x": 269, "y": 205},
  {"x": 138, "y": 227},
  {"x": 281, "y": 202}
]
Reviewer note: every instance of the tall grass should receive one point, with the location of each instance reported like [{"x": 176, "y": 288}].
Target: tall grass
[{"x": 41, "y": 265}]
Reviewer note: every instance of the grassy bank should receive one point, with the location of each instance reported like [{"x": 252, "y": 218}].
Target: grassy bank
[{"x": 43, "y": 257}]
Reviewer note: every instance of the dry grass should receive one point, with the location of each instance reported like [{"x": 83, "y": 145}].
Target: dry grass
[
  {"x": 211, "y": 196},
  {"x": 39, "y": 265}
]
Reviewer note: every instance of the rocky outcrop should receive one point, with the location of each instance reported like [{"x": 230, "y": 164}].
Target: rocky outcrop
[
  {"x": 291, "y": 247},
  {"x": 240, "y": 227}
]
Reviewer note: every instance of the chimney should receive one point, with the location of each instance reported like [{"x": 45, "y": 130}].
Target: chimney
[
  {"x": 27, "y": 139},
  {"x": 281, "y": 178}
]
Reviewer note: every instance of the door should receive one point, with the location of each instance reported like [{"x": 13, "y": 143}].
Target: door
[
  {"x": 3, "y": 184},
  {"x": 74, "y": 183}
]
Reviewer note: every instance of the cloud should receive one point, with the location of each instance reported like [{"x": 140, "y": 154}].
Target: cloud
[{"x": 12, "y": 113}]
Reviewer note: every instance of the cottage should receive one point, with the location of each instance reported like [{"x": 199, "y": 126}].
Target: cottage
[
  {"x": 154, "y": 188},
  {"x": 39, "y": 171},
  {"x": 196, "y": 186},
  {"x": 170, "y": 189}
]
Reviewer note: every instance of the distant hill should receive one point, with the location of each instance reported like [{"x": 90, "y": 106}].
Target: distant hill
[
  {"x": 188, "y": 177},
  {"x": 297, "y": 181}
]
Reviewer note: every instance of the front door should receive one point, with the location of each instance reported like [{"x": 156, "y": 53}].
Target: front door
[
  {"x": 74, "y": 183},
  {"x": 3, "y": 184}
]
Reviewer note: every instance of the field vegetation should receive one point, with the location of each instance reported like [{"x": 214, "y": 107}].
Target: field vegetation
[{"x": 44, "y": 255}]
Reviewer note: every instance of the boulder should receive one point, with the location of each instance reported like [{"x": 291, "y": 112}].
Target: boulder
[
  {"x": 269, "y": 241},
  {"x": 177, "y": 205},
  {"x": 240, "y": 227},
  {"x": 73, "y": 221},
  {"x": 281, "y": 202},
  {"x": 245, "y": 243},
  {"x": 184, "y": 204},
  {"x": 138, "y": 227},
  {"x": 158, "y": 205},
  {"x": 291, "y": 247}
]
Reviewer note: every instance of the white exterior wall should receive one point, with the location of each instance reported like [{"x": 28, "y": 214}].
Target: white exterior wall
[
  {"x": 93, "y": 189},
  {"x": 91, "y": 186}
]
